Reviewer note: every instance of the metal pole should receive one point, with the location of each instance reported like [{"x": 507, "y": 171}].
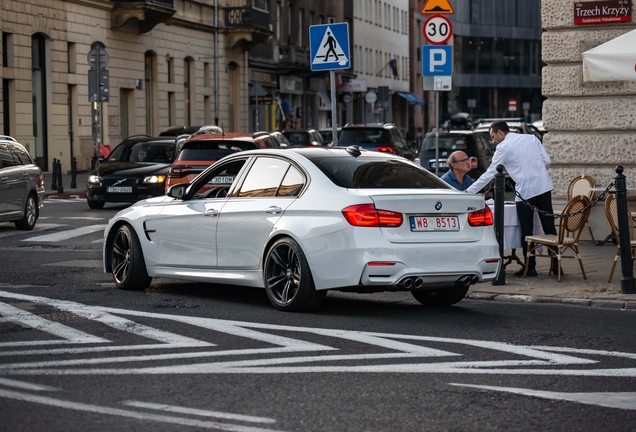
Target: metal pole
[
  {"x": 216, "y": 62},
  {"x": 437, "y": 133},
  {"x": 334, "y": 122},
  {"x": 60, "y": 187},
  {"x": 256, "y": 113},
  {"x": 500, "y": 180},
  {"x": 73, "y": 172},
  {"x": 54, "y": 175},
  {"x": 624, "y": 234}
]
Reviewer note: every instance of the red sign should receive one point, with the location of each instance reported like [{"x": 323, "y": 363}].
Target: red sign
[
  {"x": 600, "y": 12},
  {"x": 437, "y": 30},
  {"x": 512, "y": 105}
]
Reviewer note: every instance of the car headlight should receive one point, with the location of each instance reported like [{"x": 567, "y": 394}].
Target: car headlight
[
  {"x": 94, "y": 179},
  {"x": 155, "y": 179}
]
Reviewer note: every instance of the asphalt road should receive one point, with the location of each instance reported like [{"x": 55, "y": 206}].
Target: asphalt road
[{"x": 78, "y": 354}]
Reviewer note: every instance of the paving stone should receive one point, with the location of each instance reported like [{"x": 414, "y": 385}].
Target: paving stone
[
  {"x": 575, "y": 301},
  {"x": 515, "y": 298},
  {"x": 608, "y": 304}
]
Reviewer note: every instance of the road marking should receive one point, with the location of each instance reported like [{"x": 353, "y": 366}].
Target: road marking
[
  {"x": 97, "y": 409},
  {"x": 24, "y": 385},
  {"x": 618, "y": 400},
  {"x": 199, "y": 412},
  {"x": 93, "y": 218},
  {"x": 70, "y": 335},
  {"x": 37, "y": 228},
  {"x": 65, "y": 235}
]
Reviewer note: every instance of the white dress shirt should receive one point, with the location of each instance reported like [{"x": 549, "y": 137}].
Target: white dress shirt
[{"x": 527, "y": 163}]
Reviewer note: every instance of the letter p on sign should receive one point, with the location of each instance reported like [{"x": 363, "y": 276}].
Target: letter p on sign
[{"x": 437, "y": 60}]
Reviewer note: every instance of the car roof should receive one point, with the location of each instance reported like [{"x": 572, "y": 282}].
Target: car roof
[
  {"x": 145, "y": 138},
  {"x": 228, "y": 136},
  {"x": 324, "y": 152}
]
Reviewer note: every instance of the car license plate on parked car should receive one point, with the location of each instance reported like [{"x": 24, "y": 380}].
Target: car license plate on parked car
[
  {"x": 434, "y": 223},
  {"x": 442, "y": 164},
  {"x": 119, "y": 189},
  {"x": 222, "y": 180}
]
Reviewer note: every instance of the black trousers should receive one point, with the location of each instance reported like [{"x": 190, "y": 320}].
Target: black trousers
[{"x": 526, "y": 219}]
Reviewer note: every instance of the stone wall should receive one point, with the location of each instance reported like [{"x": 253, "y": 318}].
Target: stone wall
[{"x": 592, "y": 125}]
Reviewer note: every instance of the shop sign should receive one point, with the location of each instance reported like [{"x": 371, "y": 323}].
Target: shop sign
[
  {"x": 354, "y": 85},
  {"x": 601, "y": 12},
  {"x": 262, "y": 100},
  {"x": 265, "y": 78},
  {"x": 291, "y": 85}
]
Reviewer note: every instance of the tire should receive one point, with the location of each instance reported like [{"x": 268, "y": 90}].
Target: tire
[
  {"x": 445, "y": 297},
  {"x": 127, "y": 261},
  {"x": 288, "y": 281},
  {"x": 31, "y": 214},
  {"x": 96, "y": 205}
]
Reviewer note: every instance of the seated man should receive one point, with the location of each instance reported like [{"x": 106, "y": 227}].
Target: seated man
[{"x": 457, "y": 175}]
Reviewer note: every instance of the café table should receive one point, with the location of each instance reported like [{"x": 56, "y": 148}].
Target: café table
[{"x": 512, "y": 231}]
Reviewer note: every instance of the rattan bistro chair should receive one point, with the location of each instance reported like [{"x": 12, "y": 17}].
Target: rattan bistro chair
[
  {"x": 581, "y": 185},
  {"x": 612, "y": 217},
  {"x": 570, "y": 228}
]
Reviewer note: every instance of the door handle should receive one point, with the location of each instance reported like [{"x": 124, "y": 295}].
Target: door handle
[
  {"x": 211, "y": 213},
  {"x": 273, "y": 210},
  {"x": 25, "y": 174},
  {"x": 5, "y": 179}
]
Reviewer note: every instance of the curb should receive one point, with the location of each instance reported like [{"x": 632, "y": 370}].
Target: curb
[{"x": 523, "y": 298}]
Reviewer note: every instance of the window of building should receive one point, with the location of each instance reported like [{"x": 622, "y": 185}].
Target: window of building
[
  {"x": 71, "y": 57},
  {"x": 170, "y": 65},
  {"x": 277, "y": 26},
  {"x": 7, "y": 49},
  {"x": 299, "y": 40}
]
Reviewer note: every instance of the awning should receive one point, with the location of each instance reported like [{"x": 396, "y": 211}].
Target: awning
[
  {"x": 411, "y": 98},
  {"x": 612, "y": 61}
]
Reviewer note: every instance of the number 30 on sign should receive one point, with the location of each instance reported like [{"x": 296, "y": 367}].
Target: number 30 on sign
[{"x": 437, "y": 30}]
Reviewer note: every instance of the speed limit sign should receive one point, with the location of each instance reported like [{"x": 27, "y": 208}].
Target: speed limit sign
[{"x": 437, "y": 29}]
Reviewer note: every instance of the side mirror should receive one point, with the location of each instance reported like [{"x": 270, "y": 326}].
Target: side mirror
[{"x": 177, "y": 191}]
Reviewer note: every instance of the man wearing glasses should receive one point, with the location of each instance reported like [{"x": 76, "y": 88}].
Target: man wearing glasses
[
  {"x": 457, "y": 176},
  {"x": 526, "y": 161}
]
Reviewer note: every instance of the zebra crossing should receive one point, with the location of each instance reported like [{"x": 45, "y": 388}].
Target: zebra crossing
[{"x": 55, "y": 230}]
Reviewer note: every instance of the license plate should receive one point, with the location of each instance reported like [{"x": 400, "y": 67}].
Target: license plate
[
  {"x": 434, "y": 223},
  {"x": 119, "y": 189},
  {"x": 441, "y": 164},
  {"x": 222, "y": 180}
]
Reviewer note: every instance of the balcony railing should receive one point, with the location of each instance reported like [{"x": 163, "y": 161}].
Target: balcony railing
[
  {"x": 165, "y": 3},
  {"x": 246, "y": 16},
  {"x": 291, "y": 54}
]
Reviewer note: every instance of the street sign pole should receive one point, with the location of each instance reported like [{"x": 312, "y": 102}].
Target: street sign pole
[
  {"x": 437, "y": 133},
  {"x": 334, "y": 124}
]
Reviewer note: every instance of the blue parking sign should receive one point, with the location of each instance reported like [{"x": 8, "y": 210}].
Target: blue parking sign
[
  {"x": 437, "y": 60},
  {"x": 329, "y": 46}
]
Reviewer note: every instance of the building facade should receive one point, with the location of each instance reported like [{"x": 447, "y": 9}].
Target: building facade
[
  {"x": 168, "y": 63},
  {"x": 591, "y": 125}
]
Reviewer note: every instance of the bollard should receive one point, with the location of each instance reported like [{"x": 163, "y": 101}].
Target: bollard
[
  {"x": 624, "y": 234},
  {"x": 54, "y": 175},
  {"x": 499, "y": 188},
  {"x": 60, "y": 188},
  {"x": 93, "y": 162},
  {"x": 73, "y": 173}
]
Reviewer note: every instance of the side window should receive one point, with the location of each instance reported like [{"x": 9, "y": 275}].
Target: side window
[
  {"x": 264, "y": 178},
  {"x": 218, "y": 182},
  {"x": 292, "y": 183},
  {"x": 6, "y": 158},
  {"x": 22, "y": 155}
]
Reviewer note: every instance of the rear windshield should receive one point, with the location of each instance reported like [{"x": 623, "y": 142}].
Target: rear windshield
[
  {"x": 446, "y": 142},
  {"x": 364, "y": 136},
  {"x": 145, "y": 151},
  {"x": 201, "y": 150},
  {"x": 298, "y": 139},
  {"x": 370, "y": 173}
]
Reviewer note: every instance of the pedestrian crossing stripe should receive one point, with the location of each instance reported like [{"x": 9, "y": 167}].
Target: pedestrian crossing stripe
[
  {"x": 330, "y": 48},
  {"x": 437, "y": 7}
]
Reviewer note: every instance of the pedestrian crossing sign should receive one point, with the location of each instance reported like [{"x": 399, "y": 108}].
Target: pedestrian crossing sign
[{"x": 329, "y": 46}]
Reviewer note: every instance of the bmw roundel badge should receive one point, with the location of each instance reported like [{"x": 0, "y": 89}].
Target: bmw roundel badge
[{"x": 438, "y": 205}]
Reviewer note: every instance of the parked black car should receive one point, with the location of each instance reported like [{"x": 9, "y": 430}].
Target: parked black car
[
  {"x": 21, "y": 185},
  {"x": 136, "y": 169},
  {"x": 474, "y": 144},
  {"x": 376, "y": 137},
  {"x": 310, "y": 137}
]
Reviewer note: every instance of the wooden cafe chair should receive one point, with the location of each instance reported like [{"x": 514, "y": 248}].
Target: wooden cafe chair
[
  {"x": 570, "y": 229},
  {"x": 581, "y": 185},
  {"x": 612, "y": 217}
]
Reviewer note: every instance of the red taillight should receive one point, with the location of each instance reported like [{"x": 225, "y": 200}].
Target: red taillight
[
  {"x": 366, "y": 215},
  {"x": 176, "y": 171},
  {"x": 380, "y": 264},
  {"x": 481, "y": 217},
  {"x": 385, "y": 149}
]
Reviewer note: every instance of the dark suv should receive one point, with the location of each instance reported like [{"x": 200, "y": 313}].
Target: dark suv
[
  {"x": 21, "y": 185},
  {"x": 474, "y": 144},
  {"x": 377, "y": 137}
]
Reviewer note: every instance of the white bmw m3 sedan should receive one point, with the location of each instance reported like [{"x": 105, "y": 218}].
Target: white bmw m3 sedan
[{"x": 301, "y": 221}]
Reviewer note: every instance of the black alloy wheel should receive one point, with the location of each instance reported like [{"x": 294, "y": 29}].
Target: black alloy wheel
[
  {"x": 127, "y": 261},
  {"x": 30, "y": 214},
  {"x": 288, "y": 280}
]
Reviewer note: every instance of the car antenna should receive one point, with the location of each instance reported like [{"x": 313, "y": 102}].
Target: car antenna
[{"x": 354, "y": 151}]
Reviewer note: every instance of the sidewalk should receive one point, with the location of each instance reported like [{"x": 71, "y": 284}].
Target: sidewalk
[
  {"x": 79, "y": 191},
  {"x": 573, "y": 289}
]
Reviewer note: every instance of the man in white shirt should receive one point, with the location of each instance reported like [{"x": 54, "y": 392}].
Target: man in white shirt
[{"x": 527, "y": 162}]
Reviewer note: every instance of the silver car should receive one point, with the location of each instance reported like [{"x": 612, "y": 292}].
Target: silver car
[
  {"x": 21, "y": 185},
  {"x": 301, "y": 221}
]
